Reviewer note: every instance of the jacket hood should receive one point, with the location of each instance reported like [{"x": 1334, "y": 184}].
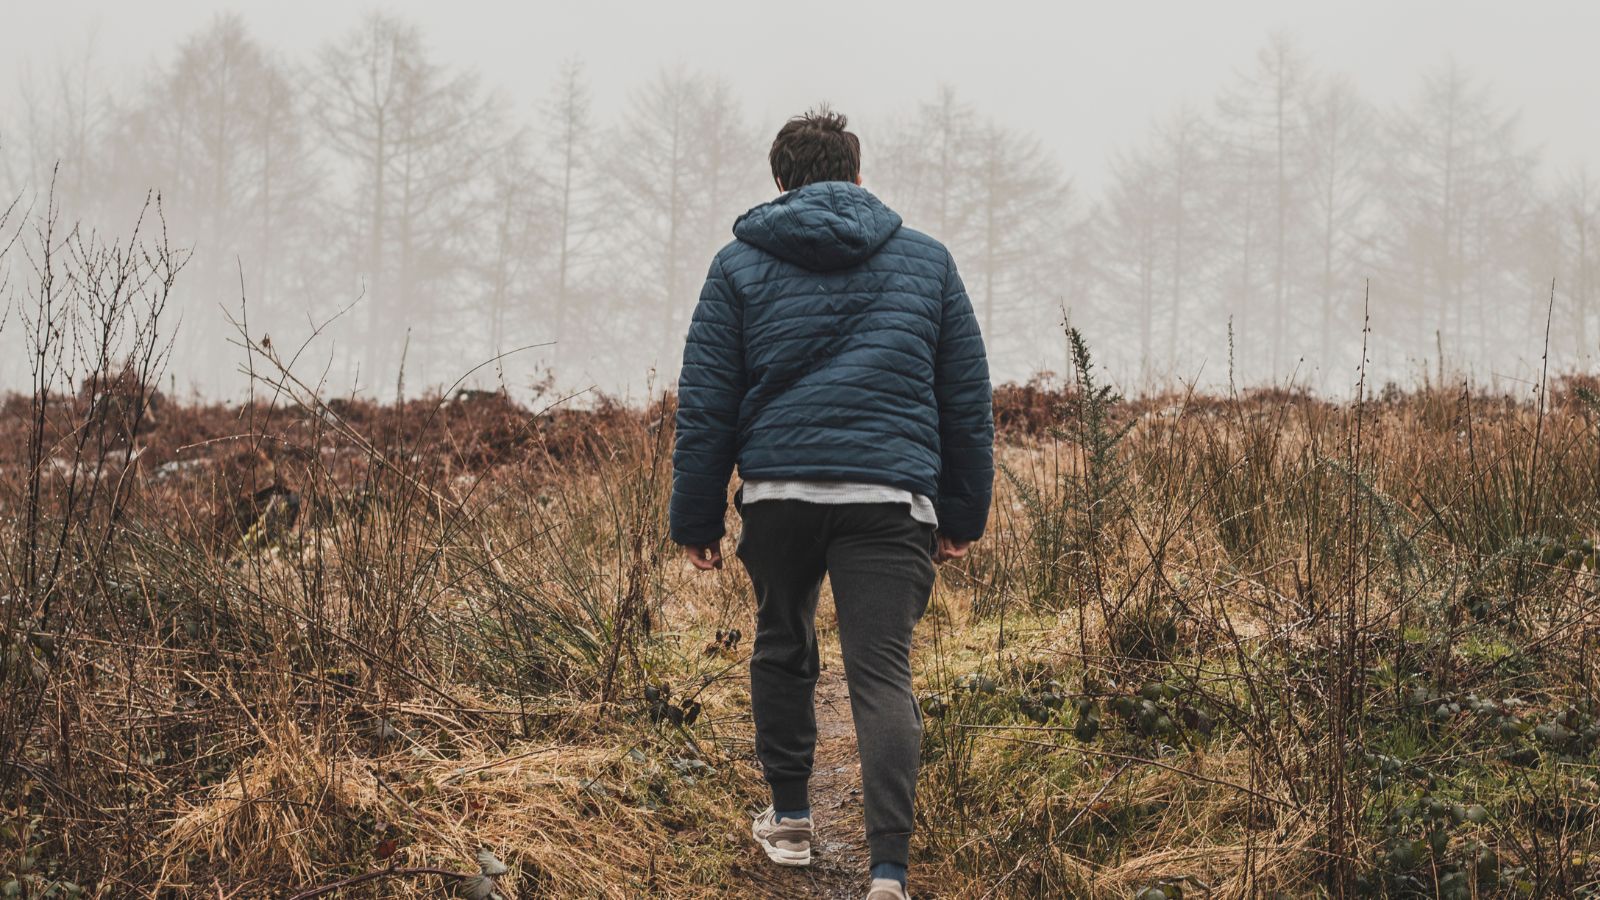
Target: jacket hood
[{"x": 821, "y": 226}]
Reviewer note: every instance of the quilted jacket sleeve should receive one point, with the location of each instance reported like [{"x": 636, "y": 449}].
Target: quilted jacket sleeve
[
  {"x": 966, "y": 417},
  {"x": 711, "y": 387}
]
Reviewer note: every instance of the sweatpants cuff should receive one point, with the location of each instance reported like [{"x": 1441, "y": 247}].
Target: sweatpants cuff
[
  {"x": 889, "y": 848},
  {"x": 790, "y": 795}
]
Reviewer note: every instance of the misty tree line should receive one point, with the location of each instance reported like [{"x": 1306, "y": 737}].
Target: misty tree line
[
  {"x": 460, "y": 226},
  {"x": 1271, "y": 209}
]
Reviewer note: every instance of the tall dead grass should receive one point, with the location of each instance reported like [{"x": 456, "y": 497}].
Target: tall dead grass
[{"x": 1234, "y": 646}]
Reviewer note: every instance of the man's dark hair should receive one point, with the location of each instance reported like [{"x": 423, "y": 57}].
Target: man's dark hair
[{"x": 815, "y": 147}]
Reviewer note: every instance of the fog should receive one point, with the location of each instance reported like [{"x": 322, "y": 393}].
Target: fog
[{"x": 1217, "y": 193}]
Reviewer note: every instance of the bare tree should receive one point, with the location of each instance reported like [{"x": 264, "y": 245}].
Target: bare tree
[
  {"x": 927, "y": 166},
  {"x": 1153, "y": 242},
  {"x": 219, "y": 134},
  {"x": 1014, "y": 255},
  {"x": 682, "y": 166},
  {"x": 56, "y": 139},
  {"x": 1340, "y": 140},
  {"x": 516, "y": 202},
  {"x": 1130, "y": 246},
  {"x": 568, "y": 150},
  {"x": 1184, "y": 160},
  {"x": 654, "y": 169},
  {"x": 1262, "y": 116},
  {"x": 1578, "y": 220},
  {"x": 286, "y": 178},
  {"x": 1457, "y": 189},
  {"x": 998, "y": 198},
  {"x": 410, "y": 136}
]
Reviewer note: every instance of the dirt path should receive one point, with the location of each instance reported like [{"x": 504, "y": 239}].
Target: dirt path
[{"x": 838, "y": 867}]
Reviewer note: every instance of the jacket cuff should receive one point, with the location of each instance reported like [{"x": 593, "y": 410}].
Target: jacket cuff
[
  {"x": 698, "y": 535},
  {"x": 960, "y": 521}
]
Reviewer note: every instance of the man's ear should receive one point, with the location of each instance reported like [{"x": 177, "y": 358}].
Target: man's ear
[
  {"x": 858, "y": 179},
  {"x": 779, "y": 182}
]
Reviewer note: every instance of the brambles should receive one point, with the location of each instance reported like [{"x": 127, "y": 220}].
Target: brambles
[
  {"x": 1147, "y": 632},
  {"x": 663, "y": 709},
  {"x": 1431, "y": 848},
  {"x": 725, "y": 644}
]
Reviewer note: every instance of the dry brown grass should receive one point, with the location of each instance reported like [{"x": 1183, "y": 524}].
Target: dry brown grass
[
  {"x": 252, "y": 717},
  {"x": 259, "y": 650}
]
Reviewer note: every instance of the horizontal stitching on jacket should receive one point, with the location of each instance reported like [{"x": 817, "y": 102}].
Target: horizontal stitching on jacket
[
  {"x": 703, "y": 474},
  {"x": 838, "y": 364},
  {"x": 791, "y": 316},
  {"x": 765, "y": 282},
  {"x": 831, "y": 444},
  {"x": 834, "y": 444},
  {"x": 908, "y": 415},
  {"x": 929, "y": 363},
  {"x": 703, "y": 341},
  {"x": 931, "y": 431},
  {"x": 900, "y": 414},
  {"x": 693, "y": 340},
  {"x": 894, "y": 479},
  {"x": 766, "y": 257},
  {"x": 690, "y": 384},
  {"x": 916, "y": 402},
  {"x": 791, "y": 442},
  {"x": 879, "y": 290},
  {"x": 888, "y": 250},
  {"x": 730, "y": 351},
  {"x": 695, "y": 367},
  {"x": 691, "y": 477},
  {"x": 923, "y": 345},
  {"x": 710, "y": 364},
  {"x": 794, "y": 386},
  {"x": 921, "y": 340},
  {"x": 876, "y": 309}
]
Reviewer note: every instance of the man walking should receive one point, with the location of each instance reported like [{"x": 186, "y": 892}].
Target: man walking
[{"x": 835, "y": 359}]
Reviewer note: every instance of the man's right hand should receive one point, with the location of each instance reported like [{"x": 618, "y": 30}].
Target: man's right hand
[
  {"x": 950, "y": 548},
  {"x": 704, "y": 556}
]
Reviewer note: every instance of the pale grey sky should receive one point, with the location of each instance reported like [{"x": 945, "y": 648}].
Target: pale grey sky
[{"x": 1087, "y": 77}]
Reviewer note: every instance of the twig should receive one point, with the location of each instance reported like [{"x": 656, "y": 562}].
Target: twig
[{"x": 392, "y": 871}]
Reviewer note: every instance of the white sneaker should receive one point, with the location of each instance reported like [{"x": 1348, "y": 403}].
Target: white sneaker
[
  {"x": 887, "y": 889},
  {"x": 788, "y": 843}
]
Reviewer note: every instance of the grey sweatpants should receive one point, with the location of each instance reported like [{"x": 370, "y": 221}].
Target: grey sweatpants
[{"x": 880, "y": 563}]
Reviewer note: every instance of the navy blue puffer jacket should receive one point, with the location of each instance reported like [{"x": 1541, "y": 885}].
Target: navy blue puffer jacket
[{"x": 832, "y": 344}]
